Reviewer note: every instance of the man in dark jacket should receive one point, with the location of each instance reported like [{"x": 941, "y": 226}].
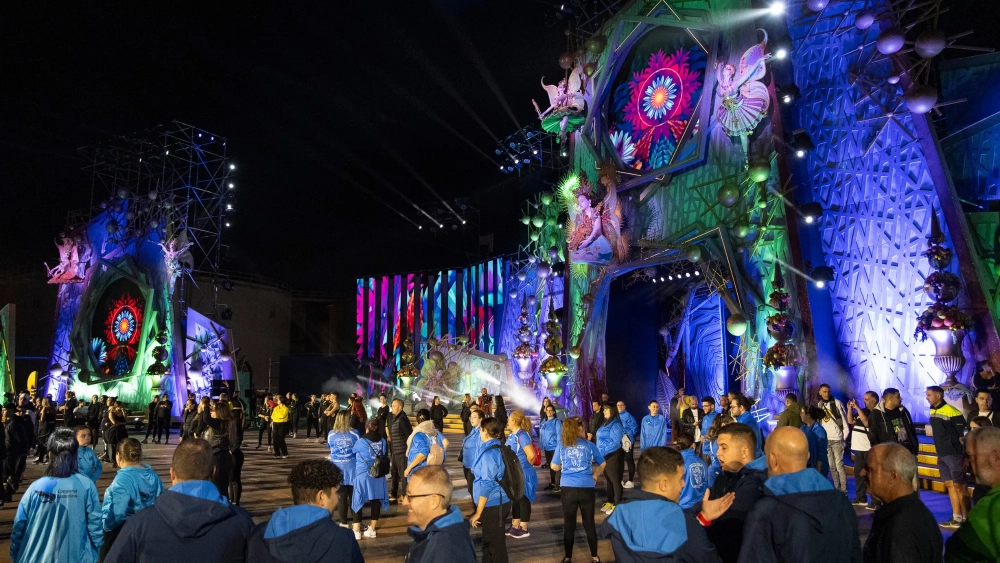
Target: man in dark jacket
[
  {"x": 94, "y": 420},
  {"x": 439, "y": 531},
  {"x": 305, "y": 532},
  {"x": 648, "y": 525},
  {"x": 398, "y": 429},
  {"x": 742, "y": 475},
  {"x": 596, "y": 420},
  {"x": 151, "y": 419},
  {"x": 790, "y": 416},
  {"x": 164, "y": 410},
  {"x": 904, "y": 530},
  {"x": 801, "y": 517},
  {"x": 312, "y": 416},
  {"x": 891, "y": 422},
  {"x": 189, "y": 522}
]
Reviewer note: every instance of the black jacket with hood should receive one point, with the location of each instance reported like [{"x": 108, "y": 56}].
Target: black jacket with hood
[
  {"x": 801, "y": 517},
  {"x": 726, "y": 532},
  {"x": 904, "y": 531},
  {"x": 302, "y": 534},
  {"x": 446, "y": 538},
  {"x": 880, "y": 429}
]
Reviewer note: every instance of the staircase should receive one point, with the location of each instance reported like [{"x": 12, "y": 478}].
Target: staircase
[{"x": 928, "y": 475}]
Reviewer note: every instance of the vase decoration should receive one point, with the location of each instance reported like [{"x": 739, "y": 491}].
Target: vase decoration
[
  {"x": 943, "y": 323},
  {"x": 551, "y": 367},
  {"x": 783, "y": 358},
  {"x": 160, "y": 354},
  {"x": 525, "y": 352},
  {"x": 408, "y": 371}
]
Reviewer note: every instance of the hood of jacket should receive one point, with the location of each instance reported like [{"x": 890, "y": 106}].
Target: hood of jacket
[
  {"x": 451, "y": 523},
  {"x": 143, "y": 477},
  {"x": 649, "y": 523},
  {"x": 298, "y": 533},
  {"x": 808, "y": 493},
  {"x": 425, "y": 427},
  {"x": 193, "y": 508},
  {"x": 759, "y": 464}
]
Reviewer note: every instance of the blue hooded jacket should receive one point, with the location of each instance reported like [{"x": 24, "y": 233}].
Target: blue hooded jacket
[
  {"x": 706, "y": 424},
  {"x": 629, "y": 425},
  {"x": 488, "y": 469},
  {"x": 815, "y": 522},
  {"x": 816, "y": 436},
  {"x": 470, "y": 448},
  {"x": 609, "y": 437},
  {"x": 341, "y": 446},
  {"x": 647, "y": 528},
  {"x": 303, "y": 533},
  {"x": 518, "y": 441},
  {"x": 750, "y": 420},
  {"x": 446, "y": 538},
  {"x": 190, "y": 521},
  {"x": 654, "y": 431},
  {"x": 58, "y": 520},
  {"x": 549, "y": 434},
  {"x": 88, "y": 464},
  {"x": 696, "y": 479},
  {"x": 135, "y": 487}
]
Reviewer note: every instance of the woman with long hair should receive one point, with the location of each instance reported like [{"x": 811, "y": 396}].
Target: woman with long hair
[
  {"x": 438, "y": 412},
  {"x": 341, "y": 441},
  {"x": 520, "y": 441},
  {"x": 492, "y": 504},
  {"x": 546, "y": 401},
  {"x": 470, "y": 448},
  {"x": 466, "y": 412},
  {"x": 359, "y": 417},
  {"x": 46, "y": 426},
  {"x": 373, "y": 491},
  {"x": 217, "y": 426},
  {"x": 549, "y": 431},
  {"x": 579, "y": 463},
  {"x": 59, "y": 516},
  {"x": 117, "y": 430},
  {"x": 609, "y": 442}
]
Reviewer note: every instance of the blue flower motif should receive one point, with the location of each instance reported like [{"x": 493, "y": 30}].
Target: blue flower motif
[{"x": 659, "y": 97}]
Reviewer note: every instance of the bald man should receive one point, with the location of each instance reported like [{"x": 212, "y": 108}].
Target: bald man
[
  {"x": 976, "y": 539},
  {"x": 814, "y": 521}
]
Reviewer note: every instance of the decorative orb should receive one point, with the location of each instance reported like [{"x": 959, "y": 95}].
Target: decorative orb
[
  {"x": 694, "y": 254},
  {"x": 893, "y": 79},
  {"x": 817, "y": 5},
  {"x": 122, "y": 193},
  {"x": 574, "y": 352},
  {"x": 930, "y": 43},
  {"x": 538, "y": 221},
  {"x": 153, "y": 194},
  {"x": 546, "y": 198},
  {"x": 532, "y": 259},
  {"x": 104, "y": 205},
  {"x": 864, "y": 20},
  {"x": 597, "y": 43},
  {"x": 729, "y": 194},
  {"x": 566, "y": 60},
  {"x": 118, "y": 208},
  {"x": 737, "y": 324},
  {"x": 650, "y": 272},
  {"x": 162, "y": 337},
  {"x": 760, "y": 170},
  {"x": 532, "y": 300},
  {"x": 526, "y": 219},
  {"x": 543, "y": 270},
  {"x": 550, "y": 221},
  {"x": 522, "y": 276},
  {"x": 154, "y": 223},
  {"x": 502, "y": 357},
  {"x": 741, "y": 228},
  {"x": 589, "y": 69},
  {"x": 921, "y": 98},
  {"x": 160, "y": 353},
  {"x": 533, "y": 237},
  {"x": 56, "y": 369},
  {"x": 129, "y": 215},
  {"x": 890, "y": 40},
  {"x": 553, "y": 253}
]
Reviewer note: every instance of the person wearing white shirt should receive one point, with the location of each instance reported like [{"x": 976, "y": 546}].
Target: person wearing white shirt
[{"x": 835, "y": 424}]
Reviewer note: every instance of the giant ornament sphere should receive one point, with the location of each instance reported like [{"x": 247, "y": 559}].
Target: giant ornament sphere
[
  {"x": 553, "y": 253},
  {"x": 930, "y": 43},
  {"x": 566, "y": 60},
  {"x": 741, "y": 228},
  {"x": 737, "y": 324},
  {"x": 574, "y": 352},
  {"x": 890, "y": 40},
  {"x": 526, "y": 219},
  {"x": 921, "y": 98},
  {"x": 538, "y": 221},
  {"x": 817, "y": 5},
  {"x": 760, "y": 170},
  {"x": 864, "y": 20},
  {"x": 694, "y": 254},
  {"x": 546, "y": 198},
  {"x": 729, "y": 194},
  {"x": 589, "y": 69},
  {"x": 650, "y": 271},
  {"x": 543, "y": 270},
  {"x": 597, "y": 43},
  {"x": 522, "y": 275}
]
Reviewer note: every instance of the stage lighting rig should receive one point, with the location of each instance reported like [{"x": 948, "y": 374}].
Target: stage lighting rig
[
  {"x": 788, "y": 94},
  {"x": 811, "y": 212},
  {"x": 443, "y": 220},
  {"x": 801, "y": 143},
  {"x": 822, "y": 276},
  {"x": 528, "y": 149}
]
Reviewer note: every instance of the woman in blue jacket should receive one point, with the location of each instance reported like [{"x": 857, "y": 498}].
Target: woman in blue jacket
[
  {"x": 520, "y": 441},
  {"x": 492, "y": 504},
  {"x": 470, "y": 448},
  {"x": 135, "y": 487},
  {"x": 609, "y": 442},
  {"x": 86, "y": 460},
  {"x": 341, "y": 443},
  {"x": 549, "y": 433},
  {"x": 418, "y": 445},
  {"x": 369, "y": 490},
  {"x": 580, "y": 463},
  {"x": 59, "y": 516}
]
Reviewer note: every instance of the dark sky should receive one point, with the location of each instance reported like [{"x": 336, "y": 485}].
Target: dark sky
[{"x": 301, "y": 94}]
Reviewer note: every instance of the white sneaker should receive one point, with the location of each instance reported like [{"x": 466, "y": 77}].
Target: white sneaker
[
  {"x": 628, "y": 485},
  {"x": 357, "y": 535},
  {"x": 607, "y": 508},
  {"x": 369, "y": 533}
]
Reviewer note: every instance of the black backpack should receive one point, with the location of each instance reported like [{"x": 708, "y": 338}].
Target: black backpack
[
  {"x": 379, "y": 466},
  {"x": 512, "y": 481}
]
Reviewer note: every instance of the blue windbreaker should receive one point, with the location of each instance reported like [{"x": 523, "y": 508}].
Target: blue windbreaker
[
  {"x": 517, "y": 442},
  {"x": 816, "y": 436},
  {"x": 609, "y": 437},
  {"x": 341, "y": 446},
  {"x": 696, "y": 479},
  {"x": 706, "y": 423},
  {"x": 88, "y": 464},
  {"x": 58, "y": 520},
  {"x": 629, "y": 425},
  {"x": 750, "y": 420},
  {"x": 549, "y": 434},
  {"x": 470, "y": 448},
  {"x": 646, "y": 527},
  {"x": 489, "y": 467},
  {"x": 576, "y": 463},
  {"x": 366, "y": 487},
  {"x": 653, "y": 432},
  {"x": 135, "y": 487}
]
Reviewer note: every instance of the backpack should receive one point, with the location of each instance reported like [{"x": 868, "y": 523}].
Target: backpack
[
  {"x": 512, "y": 481},
  {"x": 436, "y": 455},
  {"x": 538, "y": 454},
  {"x": 380, "y": 466}
]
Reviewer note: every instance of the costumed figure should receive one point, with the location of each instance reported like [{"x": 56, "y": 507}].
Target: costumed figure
[
  {"x": 68, "y": 269},
  {"x": 597, "y": 236},
  {"x": 171, "y": 252},
  {"x": 566, "y": 103},
  {"x": 743, "y": 101}
]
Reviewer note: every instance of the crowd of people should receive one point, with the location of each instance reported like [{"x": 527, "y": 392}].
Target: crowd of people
[{"x": 705, "y": 487}]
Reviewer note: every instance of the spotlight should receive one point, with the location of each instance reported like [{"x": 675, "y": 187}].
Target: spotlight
[
  {"x": 811, "y": 211},
  {"x": 168, "y": 152},
  {"x": 687, "y": 274},
  {"x": 199, "y": 135},
  {"x": 420, "y": 227},
  {"x": 232, "y": 167},
  {"x": 228, "y": 224},
  {"x": 534, "y": 151},
  {"x": 671, "y": 278},
  {"x": 517, "y": 161},
  {"x": 463, "y": 221},
  {"x": 780, "y": 53},
  {"x": 801, "y": 143},
  {"x": 789, "y": 94},
  {"x": 231, "y": 185},
  {"x": 661, "y": 278},
  {"x": 776, "y": 8},
  {"x": 654, "y": 280},
  {"x": 697, "y": 273},
  {"x": 229, "y": 207},
  {"x": 822, "y": 276},
  {"x": 501, "y": 168},
  {"x": 563, "y": 153}
]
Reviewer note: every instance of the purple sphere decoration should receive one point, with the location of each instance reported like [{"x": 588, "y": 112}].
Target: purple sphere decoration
[{"x": 890, "y": 40}]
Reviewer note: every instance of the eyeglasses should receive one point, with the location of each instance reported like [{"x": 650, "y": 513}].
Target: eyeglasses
[{"x": 427, "y": 495}]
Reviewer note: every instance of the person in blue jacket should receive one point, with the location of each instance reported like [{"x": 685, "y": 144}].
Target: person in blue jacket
[
  {"x": 580, "y": 463},
  {"x": 305, "y": 532},
  {"x": 609, "y": 442},
  {"x": 696, "y": 476},
  {"x": 86, "y": 461},
  {"x": 800, "y": 516},
  {"x": 341, "y": 441},
  {"x": 492, "y": 503},
  {"x": 650, "y": 526},
  {"x": 707, "y": 418},
  {"x": 439, "y": 531},
  {"x": 191, "y": 521},
  {"x": 654, "y": 428},
  {"x": 418, "y": 450},
  {"x": 520, "y": 441},
  {"x": 59, "y": 516},
  {"x": 549, "y": 433},
  {"x": 135, "y": 487},
  {"x": 470, "y": 447},
  {"x": 631, "y": 430},
  {"x": 740, "y": 409},
  {"x": 373, "y": 491},
  {"x": 816, "y": 438}
]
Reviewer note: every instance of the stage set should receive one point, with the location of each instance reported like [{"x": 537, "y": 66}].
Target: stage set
[{"x": 755, "y": 197}]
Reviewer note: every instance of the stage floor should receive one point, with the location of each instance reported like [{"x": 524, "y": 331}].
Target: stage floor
[{"x": 264, "y": 489}]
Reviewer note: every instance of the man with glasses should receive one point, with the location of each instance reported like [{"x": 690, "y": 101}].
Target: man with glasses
[{"x": 439, "y": 530}]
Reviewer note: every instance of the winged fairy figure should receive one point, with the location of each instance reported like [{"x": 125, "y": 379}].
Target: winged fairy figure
[
  {"x": 743, "y": 100},
  {"x": 567, "y": 103}
]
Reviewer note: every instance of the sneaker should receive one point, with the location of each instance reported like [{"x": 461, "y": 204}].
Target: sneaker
[
  {"x": 518, "y": 533},
  {"x": 628, "y": 485},
  {"x": 950, "y": 524},
  {"x": 392, "y": 499},
  {"x": 557, "y": 490},
  {"x": 508, "y": 531},
  {"x": 859, "y": 503},
  {"x": 549, "y": 487},
  {"x": 607, "y": 508},
  {"x": 369, "y": 533},
  {"x": 284, "y": 457},
  {"x": 869, "y": 506},
  {"x": 357, "y": 536}
]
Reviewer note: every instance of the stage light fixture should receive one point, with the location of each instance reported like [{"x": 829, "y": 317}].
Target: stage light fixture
[
  {"x": 168, "y": 152},
  {"x": 776, "y": 8},
  {"x": 654, "y": 280},
  {"x": 697, "y": 273},
  {"x": 801, "y": 143},
  {"x": 780, "y": 53},
  {"x": 671, "y": 278},
  {"x": 463, "y": 221},
  {"x": 228, "y": 224},
  {"x": 232, "y": 167},
  {"x": 789, "y": 94},
  {"x": 822, "y": 276},
  {"x": 199, "y": 135},
  {"x": 687, "y": 274},
  {"x": 661, "y": 278},
  {"x": 420, "y": 227},
  {"x": 534, "y": 151},
  {"x": 229, "y": 207},
  {"x": 563, "y": 153},
  {"x": 231, "y": 185},
  {"x": 811, "y": 212},
  {"x": 501, "y": 168}
]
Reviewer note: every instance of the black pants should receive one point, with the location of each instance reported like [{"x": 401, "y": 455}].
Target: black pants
[
  {"x": 312, "y": 423},
  {"x": 280, "y": 432},
  {"x": 265, "y": 426},
  {"x": 613, "y": 475},
  {"x": 94, "y": 434},
  {"x": 521, "y": 510},
  {"x": 554, "y": 476},
  {"x": 375, "y": 506},
  {"x": 236, "y": 479},
  {"x": 439, "y": 424},
  {"x": 860, "y": 483},
  {"x": 223, "y": 471},
  {"x": 109, "y": 540},
  {"x": 295, "y": 423},
  {"x": 151, "y": 428},
  {"x": 582, "y": 499},
  {"x": 345, "y": 493},
  {"x": 163, "y": 427},
  {"x": 494, "y": 534},
  {"x": 469, "y": 480},
  {"x": 396, "y": 471},
  {"x": 630, "y": 462}
]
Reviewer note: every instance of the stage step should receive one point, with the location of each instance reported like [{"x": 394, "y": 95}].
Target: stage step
[{"x": 928, "y": 474}]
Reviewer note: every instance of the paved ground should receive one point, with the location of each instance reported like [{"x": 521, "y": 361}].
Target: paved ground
[{"x": 264, "y": 489}]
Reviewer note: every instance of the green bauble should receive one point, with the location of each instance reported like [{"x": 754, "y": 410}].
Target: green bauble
[{"x": 760, "y": 170}]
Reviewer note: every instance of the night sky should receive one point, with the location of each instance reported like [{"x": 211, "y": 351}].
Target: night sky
[{"x": 307, "y": 97}]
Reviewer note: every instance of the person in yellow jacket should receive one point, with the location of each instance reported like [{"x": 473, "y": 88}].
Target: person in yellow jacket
[{"x": 280, "y": 417}]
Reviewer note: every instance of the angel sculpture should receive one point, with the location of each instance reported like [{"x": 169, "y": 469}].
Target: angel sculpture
[
  {"x": 566, "y": 103},
  {"x": 743, "y": 101},
  {"x": 171, "y": 254},
  {"x": 596, "y": 237},
  {"x": 67, "y": 270}
]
